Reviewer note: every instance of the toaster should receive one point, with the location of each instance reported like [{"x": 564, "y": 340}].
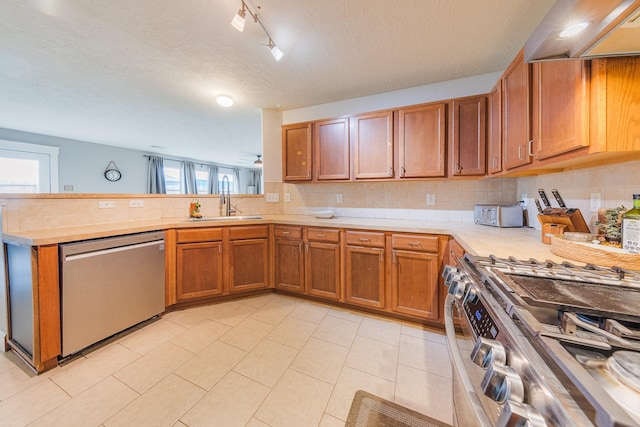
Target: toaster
[{"x": 499, "y": 215}]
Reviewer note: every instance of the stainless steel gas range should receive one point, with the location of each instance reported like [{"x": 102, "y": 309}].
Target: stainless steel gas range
[{"x": 544, "y": 344}]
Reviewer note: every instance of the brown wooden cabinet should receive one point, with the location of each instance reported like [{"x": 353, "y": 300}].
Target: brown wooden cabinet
[
  {"x": 288, "y": 258},
  {"x": 248, "y": 258},
  {"x": 331, "y": 145},
  {"x": 372, "y": 138},
  {"x": 199, "y": 263},
  {"x": 296, "y": 152},
  {"x": 322, "y": 263},
  {"x": 469, "y": 136},
  {"x": 515, "y": 114},
  {"x": 494, "y": 132},
  {"x": 421, "y": 141},
  {"x": 414, "y": 275},
  {"x": 365, "y": 268}
]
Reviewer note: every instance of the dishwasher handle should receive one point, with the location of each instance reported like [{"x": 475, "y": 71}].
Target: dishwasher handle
[{"x": 69, "y": 258}]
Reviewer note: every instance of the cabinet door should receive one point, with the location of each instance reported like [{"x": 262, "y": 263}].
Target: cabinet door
[
  {"x": 414, "y": 284},
  {"x": 515, "y": 118},
  {"x": 560, "y": 107},
  {"x": 468, "y": 136},
  {"x": 289, "y": 265},
  {"x": 365, "y": 276},
  {"x": 322, "y": 270},
  {"x": 248, "y": 264},
  {"x": 332, "y": 149},
  {"x": 296, "y": 152},
  {"x": 495, "y": 130},
  {"x": 421, "y": 141},
  {"x": 373, "y": 145},
  {"x": 199, "y": 270}
]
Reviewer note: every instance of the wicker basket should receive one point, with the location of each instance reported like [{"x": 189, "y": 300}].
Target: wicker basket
[{"x": 589, "y": 253}]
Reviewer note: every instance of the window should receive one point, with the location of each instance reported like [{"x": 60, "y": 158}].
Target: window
[
  {"x": 28, "y": 168},
  {"x": 232, "y": 185},
  {"x": 202, "y": 180},
  {"x": 173, "y": 178}
]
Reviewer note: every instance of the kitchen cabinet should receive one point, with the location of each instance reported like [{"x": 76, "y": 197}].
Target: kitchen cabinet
[
  {"x": 248, "y": 258},
  {"x": 365, "y": 268},
  {"x": 468, "y": 136},
  {"x": 296, "y": 152},
  {"x": 515, "y": 114},
  {"x": 414, "y": 275},
  {"x": 421, "y": 141},
  {"x": 199, "y": 263},
  {"x": 323, "y": 263},
  {"x": 331, "y": 145},
  {"x": 288, "y": 259},
  {"x": 372, "y": 138},
  {"x": 494, "y": 147}
]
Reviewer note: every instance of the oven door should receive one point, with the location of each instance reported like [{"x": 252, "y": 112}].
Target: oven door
[{"x": 467, "y": 399}]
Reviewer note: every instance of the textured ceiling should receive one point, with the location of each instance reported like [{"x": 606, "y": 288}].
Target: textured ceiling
[{"x": 143, "y": 73}]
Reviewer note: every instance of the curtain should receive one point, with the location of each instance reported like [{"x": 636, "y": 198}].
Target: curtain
[
  {"x": 256, "y": 180},
  {"x": 189, "y": 177},
  {"x": 213, "y": 179},
  {"x": 155, "y": 177},
  {"x": 236, "y": 180}
]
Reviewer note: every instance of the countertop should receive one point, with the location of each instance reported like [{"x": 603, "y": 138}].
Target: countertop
[{"x": 523, "y": 243}]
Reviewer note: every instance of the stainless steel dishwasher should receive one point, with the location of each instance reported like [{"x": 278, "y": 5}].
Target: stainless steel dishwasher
[{"x": 109, "y": 285}]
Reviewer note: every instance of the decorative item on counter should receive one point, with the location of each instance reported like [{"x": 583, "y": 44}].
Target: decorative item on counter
[
  {"x": 194, "y": 209},
  {"x": 609, "y": 226},
  {"x": 631, "y": 227}
]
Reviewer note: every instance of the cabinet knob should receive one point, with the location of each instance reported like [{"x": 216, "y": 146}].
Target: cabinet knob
[
  {"x": 530, "y": 148},
  {"x": 403, "y": 171},
  {"x": 458, "y": 168}
]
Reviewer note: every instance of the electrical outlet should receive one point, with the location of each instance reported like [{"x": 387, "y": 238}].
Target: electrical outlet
[
  {"x": 431, "y": 199},
  {"x": 138, "y": 203},
  {"x": 338, "y": 198},
  {"x": 594, "y": 204},
  {"x": 287, "y": 197},
  {"x": 68, "y": 188},
  {"x": 273, "y": 197},
  {"x": 106, "y": 204}
]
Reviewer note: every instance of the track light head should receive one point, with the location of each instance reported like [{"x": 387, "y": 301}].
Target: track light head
[
  {"x": 277, "y": 53},
  {"x": 239, "y": 20}
]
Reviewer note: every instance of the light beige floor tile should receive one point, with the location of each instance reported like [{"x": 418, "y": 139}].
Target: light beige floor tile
[
  {"x": 380, "y": 330},
  {"x": 231, "y": 313},
  {"x": 196, "y": 338},
  {"x": 258, "y": 301},
  {"x": 152, "y": 368},
  {"x": 31, "y": 404},
  {"x": 424, "y": 333},
  {"x": 8, "y": 359},
  {"x": 292, "y": 332},
  {"x": 79, "y": 375},
  {"x": 162, "y": 405},
  {"x": 151, "y": 336},
  {"x": 91, "y": 407},
  {"x": 350, "y": 381},
  {"x": 254, "y": 422},
  {"x": 310, "y": 312},
  {"x": 321, "y": 360},
  {"x": 232, "y": 402},
  {"x": 297, "y": 400},
  {"x": 266, "y": 362},
  {"x": 345, "y": 314},
  {"x": 274, "y": 311},
  {"x": 329, "y": 421},
  {"x": 180, "y": 424},
  {"x": 211, "y": 364},
  {"x": 247, "y": 334},
  {"x": 425, "y": 355},
  {"x": 17, "y": 378},
  {"x": 374, "y": 357},
  {"x": 337, "y": 330},
  {"x": 189, "y": 317},
  {"x": 425, "y": 392}
]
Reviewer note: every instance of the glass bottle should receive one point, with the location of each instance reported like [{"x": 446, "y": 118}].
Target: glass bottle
[{"x": 631, "y": 227}]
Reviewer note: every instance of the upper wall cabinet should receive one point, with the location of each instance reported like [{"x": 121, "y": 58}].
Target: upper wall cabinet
[
  {"x": 515, "y": 114},
  {"x": 421, "y": 141},
  {"x": 331, "y": 145},
  {"x": 469, "y": 136},
  {"x": 296, "y": 152},
  {"x": 494, "y": 149},
  {"x": 372, "y": 136}
]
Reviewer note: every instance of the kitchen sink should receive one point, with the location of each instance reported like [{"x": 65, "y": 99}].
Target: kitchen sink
[{"x": 225, "y": 218}]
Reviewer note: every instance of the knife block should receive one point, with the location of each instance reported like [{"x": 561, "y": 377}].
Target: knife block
[
  {"x": 571, "y": 218},
  {"x": 550, "y": 229}
]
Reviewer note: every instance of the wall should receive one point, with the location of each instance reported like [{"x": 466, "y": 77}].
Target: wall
[{"x": 4, "y": 322}]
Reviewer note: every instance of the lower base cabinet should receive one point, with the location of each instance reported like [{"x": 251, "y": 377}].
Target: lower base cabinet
[
  {"x": 248, "y": 258},
  {"x": 199, "y": 270},
  {"x": 365, "y": 269},
  {"x": 323, "y": 270}
]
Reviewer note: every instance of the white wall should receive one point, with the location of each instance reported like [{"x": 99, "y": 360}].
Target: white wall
[
  {"x": 272, "y": 145},
  {"x": 4, "y": 325}
]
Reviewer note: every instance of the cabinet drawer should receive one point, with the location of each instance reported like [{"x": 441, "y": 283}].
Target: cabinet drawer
[
  {"x": 193, "y": 235},
  {"x": 364, "y": 238},
  {"x": 323, "y": 235},
  {"x": 414, "y": 242},
  {"x": 249, "y": 232},
  {"x": 288, "y": 232}
]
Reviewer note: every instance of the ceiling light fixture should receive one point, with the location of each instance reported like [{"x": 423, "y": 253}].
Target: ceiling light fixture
[
  {"x": 258, "y": 163},
  {"x": 238, "y": 23},
  {"x": 224, "y": 101},
  {"x": 572, "y": 30}
]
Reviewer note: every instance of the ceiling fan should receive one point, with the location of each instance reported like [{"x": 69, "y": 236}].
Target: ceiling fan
[{"x": 255, "y": 162}]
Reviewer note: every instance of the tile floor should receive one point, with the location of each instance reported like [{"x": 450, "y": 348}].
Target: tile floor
[{"x": 269, "y": 360}]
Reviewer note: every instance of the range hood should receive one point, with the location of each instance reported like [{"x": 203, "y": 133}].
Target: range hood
[{"x": 612, "y": 29}]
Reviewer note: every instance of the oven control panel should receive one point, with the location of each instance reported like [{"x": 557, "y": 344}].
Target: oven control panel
[{"x": 480, "y": 320}]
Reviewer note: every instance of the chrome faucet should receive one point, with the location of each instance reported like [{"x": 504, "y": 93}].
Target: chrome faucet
[{"x": 225, "y": 198}]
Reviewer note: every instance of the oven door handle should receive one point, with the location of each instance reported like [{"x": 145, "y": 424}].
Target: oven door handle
[{"x": 458, "y": 365}]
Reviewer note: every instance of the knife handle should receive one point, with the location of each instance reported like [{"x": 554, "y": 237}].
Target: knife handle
[
  {"x": 538, "y": 205},
  {"x": 544, "y": 197},
  {"x": 556, "y": 194}
]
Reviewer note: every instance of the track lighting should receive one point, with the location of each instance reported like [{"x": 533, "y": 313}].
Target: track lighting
[{"x": 238, "y": 23}]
